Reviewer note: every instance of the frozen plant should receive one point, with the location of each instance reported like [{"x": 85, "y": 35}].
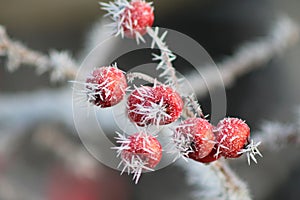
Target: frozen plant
[{"x": 194, "y": 138}]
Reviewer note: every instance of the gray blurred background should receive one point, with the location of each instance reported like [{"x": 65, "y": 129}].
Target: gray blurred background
[{"x": 270, "y": 93}]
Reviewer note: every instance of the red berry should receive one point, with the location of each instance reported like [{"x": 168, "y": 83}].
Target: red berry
[
  {"x": 146, "y": 147},
  {"x": 136, "y": 18},
  {"x": 194, "y": 138},
  {"x": 106, "y": 86},
  {"x": 232, "y": 136},
  {"x": 212, "y": 156},
  {"x": 139, "y": 152},
  {"x": 157, "y": 105}
]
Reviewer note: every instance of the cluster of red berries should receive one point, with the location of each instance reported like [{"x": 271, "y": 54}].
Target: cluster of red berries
[
  {"x": 197, "y": 139},
  {"x": 159, "y": 105}
]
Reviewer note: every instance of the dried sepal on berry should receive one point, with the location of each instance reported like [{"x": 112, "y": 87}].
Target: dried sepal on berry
[
  {"x": 106, "y": 86},
  {"x": 130, "y": 18},
  {"x": 251, "y": 151},
  {"x": 139, "y": 152},
  {"x": 157, "y": 105},
  {"x": 194, "y": 138},
  {"x": 232, "y": 136}
]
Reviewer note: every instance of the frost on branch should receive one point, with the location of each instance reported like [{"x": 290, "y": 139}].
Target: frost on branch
[
  {"x": 276, "y": 135},
  {"x": 215, "y": 181},
  {"x": 135, "y": 161},
  {"x": 60, "y": 64},
  {"x": 165, "y": 58},
  {"x": 251, "y": 55}
]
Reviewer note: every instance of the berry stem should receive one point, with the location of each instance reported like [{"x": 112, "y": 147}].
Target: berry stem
[
  {"x": 191, "y": 108},
  {"x": 195, "y": 105},
  {"x": 233, "y": 186},
  {"x": 166, "y": 57},
  {"x": 137, "y": 75}
]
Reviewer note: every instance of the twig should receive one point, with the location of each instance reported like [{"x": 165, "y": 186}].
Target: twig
[
  {"x": 137, "y": 75},
  {"x": 48, "y": 105},
  {"x": 250, "y": 56},
  {"x": 233, "y": 187},
  {"x": 214, "y": 181},
  {"x": 275, "y": 136},
  {"x": 166, "y": 58},
  {"x": 60, "y": 64}
]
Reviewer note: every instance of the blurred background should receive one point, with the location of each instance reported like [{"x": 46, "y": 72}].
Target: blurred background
[{"x": 271, "y": 93}]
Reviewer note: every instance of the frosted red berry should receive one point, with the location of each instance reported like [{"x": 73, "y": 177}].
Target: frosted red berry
[
  {"x": 212, "y": 156},
  {"x": 232, "y": 136},
  {"x": 145, "y": 147},
  {"x": 194, "y": 137},
  {"x": 157, "y": 105},
  {"x": 106, "y": 86},
  {"x": 139, "y": 152},
  {"x": 136, "y": 18}
]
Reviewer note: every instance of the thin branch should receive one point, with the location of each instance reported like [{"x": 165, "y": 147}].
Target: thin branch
[
  {"x": 214, "y": 181},
  {"x": 250, "y": 56},
  {"x": 194, "y": 104},
  {"x": 48, "y": 105},
  {"x": 275, "y": 136},
  {"x": 166, "y": 58},
  {"x": 233, "y": 187},
  {"x": 60, "y": 64},
  {"x": 137, "y": 75}
]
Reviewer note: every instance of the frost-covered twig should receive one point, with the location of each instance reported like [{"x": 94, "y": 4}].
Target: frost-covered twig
[
  {"x": 250, "y": 56},
  {"x": 60, "y": 64},
  {"x": 137, "y": 75},
  {"x": 215, "y": 181},
  {"x": 192, "y": 102},
  {"x": 275, "y": 135},
  {"x": 166, "y": 58},
  {"x": 48, "y": 105},
  {"x": 233, "y": 187}
]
